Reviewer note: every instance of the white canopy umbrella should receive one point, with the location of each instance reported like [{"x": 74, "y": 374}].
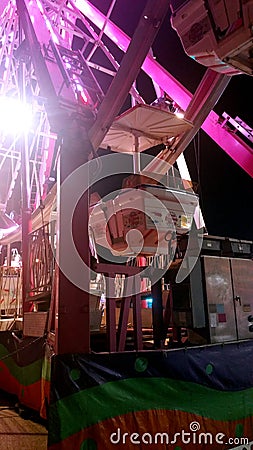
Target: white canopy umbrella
[{"x": 142, "y": 127}]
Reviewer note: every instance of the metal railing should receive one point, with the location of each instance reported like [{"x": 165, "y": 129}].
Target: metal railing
[{"x": 10, "y": 291}]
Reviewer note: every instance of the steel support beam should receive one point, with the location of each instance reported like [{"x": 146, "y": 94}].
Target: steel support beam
[
  {"x": 206, "y": 96},
  {"x": 72, "y": 331},
  {"x": 48, "y": 73},
  {"x": 26, "y": 223},
  {"x": 157, "y": 314},
  {"x": 149, "y": 24},
  {"x": 25, "y": 196}
]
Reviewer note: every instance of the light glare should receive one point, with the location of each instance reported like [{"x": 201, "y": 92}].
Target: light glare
[
  {"x": 15, "y": 116},
  {"x": 179, "y": 115}
]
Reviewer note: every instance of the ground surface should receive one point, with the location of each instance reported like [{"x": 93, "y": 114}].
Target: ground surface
[{"x": 17, "y": 432}]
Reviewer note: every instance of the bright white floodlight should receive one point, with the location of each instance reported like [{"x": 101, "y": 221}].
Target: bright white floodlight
[{"x": 15, "y": 116}]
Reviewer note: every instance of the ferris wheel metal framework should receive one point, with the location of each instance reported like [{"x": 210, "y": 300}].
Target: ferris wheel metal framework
[
  {"x": 98, "y": 39},
  {"x": 70, "y": 61}
]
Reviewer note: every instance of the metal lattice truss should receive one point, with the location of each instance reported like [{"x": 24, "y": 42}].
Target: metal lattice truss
[
  {"x": 39, "y": 140},
  {"x": 66, "y": 25},
  {"x": 86, "y": 49}
]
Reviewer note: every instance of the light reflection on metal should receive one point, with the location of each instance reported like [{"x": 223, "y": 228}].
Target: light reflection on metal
[{"x": 49, "y": 26}]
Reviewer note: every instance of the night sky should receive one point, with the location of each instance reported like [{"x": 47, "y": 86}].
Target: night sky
[{"x": 225, "y": 189}]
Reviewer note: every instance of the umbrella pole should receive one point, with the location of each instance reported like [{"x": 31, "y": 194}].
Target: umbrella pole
[{"x": 136, "y": 156}]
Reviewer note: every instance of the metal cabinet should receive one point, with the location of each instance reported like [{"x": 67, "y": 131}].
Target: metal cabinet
[
  {"x": 242, "y": 279},
  {"x": 229, "y": 296},
  {"x": 188, "y": 300}
]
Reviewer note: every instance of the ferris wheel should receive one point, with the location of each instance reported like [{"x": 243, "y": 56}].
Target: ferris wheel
[
  {"x": 60, "y": 58},
  {"x": 71, "y": 79}
]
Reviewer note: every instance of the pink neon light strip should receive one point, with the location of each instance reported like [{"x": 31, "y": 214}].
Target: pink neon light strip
[{"x": 240, "y": 152}]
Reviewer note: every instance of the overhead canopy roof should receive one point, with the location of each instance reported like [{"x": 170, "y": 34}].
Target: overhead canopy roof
[{"x": 151, "y": 125}]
